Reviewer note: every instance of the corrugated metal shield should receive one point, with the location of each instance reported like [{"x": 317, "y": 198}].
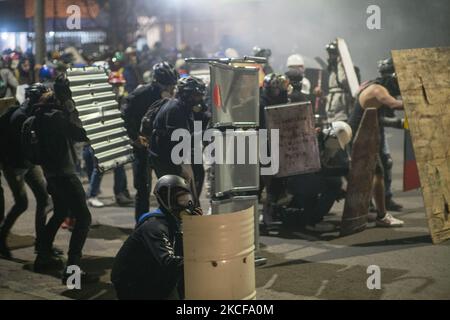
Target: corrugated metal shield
[{"x": 100, "y": 115}]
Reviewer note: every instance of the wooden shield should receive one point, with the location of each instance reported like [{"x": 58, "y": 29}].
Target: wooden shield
[
  {"x": 424, "y": 79},
  {"x": 359, "y": 191}
]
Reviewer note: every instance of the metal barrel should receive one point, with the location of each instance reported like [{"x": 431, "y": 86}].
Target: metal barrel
[{"x": 219, "y": 256}]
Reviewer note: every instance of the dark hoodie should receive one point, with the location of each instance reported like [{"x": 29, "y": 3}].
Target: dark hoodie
[{"x": 150, "y": 264}]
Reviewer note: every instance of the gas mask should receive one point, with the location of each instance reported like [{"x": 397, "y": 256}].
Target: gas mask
[{"x": 184, "y": 204}]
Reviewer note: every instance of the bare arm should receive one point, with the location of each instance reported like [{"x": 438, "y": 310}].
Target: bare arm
[{"x": 383, "y": 96}]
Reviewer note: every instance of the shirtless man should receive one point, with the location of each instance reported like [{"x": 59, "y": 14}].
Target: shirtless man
[{"x": 379, "y": 93}]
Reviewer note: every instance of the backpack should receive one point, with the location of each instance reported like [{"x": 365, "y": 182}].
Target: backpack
[
  {"x": 149, "y": 118},
  {"x": 37, "y": 148}
]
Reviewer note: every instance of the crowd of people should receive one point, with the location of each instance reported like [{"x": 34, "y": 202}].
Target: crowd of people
[{"x": 157, "y": 95}]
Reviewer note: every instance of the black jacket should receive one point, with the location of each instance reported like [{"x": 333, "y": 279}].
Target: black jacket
[
  {"x": 135, "y": 106},
  {"x": 150, "y": 264},
  {"x": 172, "y": 115},
  {"x": 59, "y": 132}
]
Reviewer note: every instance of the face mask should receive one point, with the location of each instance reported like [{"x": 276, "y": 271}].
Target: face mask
[{"x": 184, "y": 200}]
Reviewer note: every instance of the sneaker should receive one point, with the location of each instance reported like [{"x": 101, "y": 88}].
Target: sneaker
[
  {"x": 391, "y": 205},
  {"x": 86, "y": 278},
  {"x": 389, "y": 222},
  {"x": 321, "y": 227},
  {"x": 47, "y": 262},
  {"x": 4, "y": 251},
  {"x": 95, "y": 203},
  {"x": 123, "y": 200}
]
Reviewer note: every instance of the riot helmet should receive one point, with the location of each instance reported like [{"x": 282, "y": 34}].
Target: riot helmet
[
  {"x": 388, "y": 76},
  {"x": 34, "y": 92},
  {"x": 276, "y": 85},
  {"x": 164, "y": 74},
  {"x": 173, "y": 194},
  {"x": 191, "y": 90}
]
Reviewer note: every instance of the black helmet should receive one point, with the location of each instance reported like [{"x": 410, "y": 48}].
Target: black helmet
[
  {"x": 388, "y": 76},
  {"x": 190, "y": 85},
  {"x": 262, "y": 52},
  {"x": 275, "y": 81},
  {"x": 166, "y": 188},
  {"x": 165, "y": 74},
  {"x": 386, "y": 67},
  {"x": 332, "y": 47},
  {"x": 34, "y": 92}
]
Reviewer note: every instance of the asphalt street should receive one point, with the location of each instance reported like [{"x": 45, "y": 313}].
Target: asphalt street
[{"x": 300, "y": 265}]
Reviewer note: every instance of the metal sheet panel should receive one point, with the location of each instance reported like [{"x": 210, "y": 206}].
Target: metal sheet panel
[
  {"x": 235, "y": 96},
  {"x": 100, "y": 115},
  {"x": 231, "y": 177}
]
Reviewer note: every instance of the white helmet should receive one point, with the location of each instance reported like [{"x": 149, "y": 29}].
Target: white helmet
[
  {"x": 343, "y": 132},
  {"x": 295, "y": 60}
]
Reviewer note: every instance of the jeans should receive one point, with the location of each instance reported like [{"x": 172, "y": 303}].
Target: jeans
[
  {"x": 95, "y": 176},
  {"x": 16, "y": 179},
  {"x": 387, "y": 162},
  {"x": 68, "y": 199},
  {"x": 142, "y": 176}
]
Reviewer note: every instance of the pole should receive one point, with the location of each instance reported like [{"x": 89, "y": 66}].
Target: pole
[{"x": 39, "y": 29}]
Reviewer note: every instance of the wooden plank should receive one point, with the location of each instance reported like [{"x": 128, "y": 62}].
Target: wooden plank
[
  {"x": 424, "y": 78},
  {"x": 349, "y": 68},
  {"x": 360, "y": 178}
]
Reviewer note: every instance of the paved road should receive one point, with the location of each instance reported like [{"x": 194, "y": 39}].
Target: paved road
[{"x": 300, "y": 266}]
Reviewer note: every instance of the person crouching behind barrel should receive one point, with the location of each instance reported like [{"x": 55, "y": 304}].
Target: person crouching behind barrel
[{"x": 150, "y": 263}]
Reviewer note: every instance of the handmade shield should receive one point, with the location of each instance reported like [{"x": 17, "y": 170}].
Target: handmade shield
[
  {"x": 349, "y": 68},
  {"x": 239, "y": 203},
  {"x": 298, "y": 145},
  {"x": 360, "y": 178},
  {"x": 235, "y": 96},
  {"x": 100, "y": 116},
  {"x": 219, "y": 256},
  {"x": 423, "y": 76},
  {"x": 236, "y": 167}
]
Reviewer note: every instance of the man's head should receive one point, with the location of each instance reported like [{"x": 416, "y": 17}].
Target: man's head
[
  {"x": 174, "y": 195},
  {"x": 276, "y": 86},
  {"x": 165, "y": 77},
  {"x": 388, "y": 76},
  {"x": 338, "y": 136},
  {"x": 191, "y": 91},
  {"x": 46, "y": 73},
  {"x": 296, "y": 61},
  {"x": 262, "y": 52},
  {"x": 131, "y": 55},
  {"x": 332, "y": 49},
  {"x": 34, "y": 92}
]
